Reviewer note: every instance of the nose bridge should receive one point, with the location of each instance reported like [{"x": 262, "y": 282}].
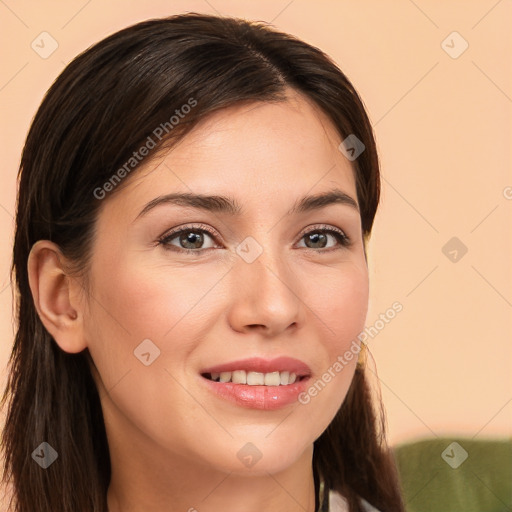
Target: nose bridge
[{"x": 265, "y": 291}]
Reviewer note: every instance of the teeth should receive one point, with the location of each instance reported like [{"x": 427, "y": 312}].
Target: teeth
[
  {"x": 239, "y": 377},
  {"x": 272, "y": 379},
  {"x": 225, "y": 376},
  {"x": 255, "y": 378}
]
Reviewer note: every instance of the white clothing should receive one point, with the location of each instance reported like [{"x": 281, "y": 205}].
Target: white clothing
[{"x": 337, "y": 503}]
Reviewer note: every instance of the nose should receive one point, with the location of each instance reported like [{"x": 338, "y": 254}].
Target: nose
[{"x": 265, "y": 297}]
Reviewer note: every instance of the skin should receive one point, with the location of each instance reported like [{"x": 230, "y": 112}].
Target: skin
[{"x": 173, "y": 444}]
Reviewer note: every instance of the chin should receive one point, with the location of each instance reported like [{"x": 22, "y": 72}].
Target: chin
[{"x": 257, "y": 456}]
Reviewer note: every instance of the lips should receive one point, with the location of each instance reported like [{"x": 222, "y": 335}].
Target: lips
[
  {"x": 258, "y": 383},
  {"x": 260, "y": 365}
]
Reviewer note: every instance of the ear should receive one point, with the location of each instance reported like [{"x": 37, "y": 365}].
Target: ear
[{"x": 55, "y": 296}]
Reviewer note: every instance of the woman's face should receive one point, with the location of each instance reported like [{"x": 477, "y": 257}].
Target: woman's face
[{"x": 265, "y": 285}]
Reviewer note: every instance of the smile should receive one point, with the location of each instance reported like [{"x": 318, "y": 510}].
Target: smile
[
  {"x": 261, "y": 384},
  {"x": 283, "y": 378}
]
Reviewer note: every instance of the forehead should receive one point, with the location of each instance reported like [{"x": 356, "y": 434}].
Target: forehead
[{"x": 269, "y": 153}]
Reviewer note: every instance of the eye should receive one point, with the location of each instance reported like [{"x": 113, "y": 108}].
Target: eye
[
  {"x": 191, "y": 239},
  {"x": 188, "y": 239},
  {"x": 318, "y": 238}
]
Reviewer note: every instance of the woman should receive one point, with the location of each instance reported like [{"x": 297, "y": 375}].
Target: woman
[{"x": 195, "y": 198}]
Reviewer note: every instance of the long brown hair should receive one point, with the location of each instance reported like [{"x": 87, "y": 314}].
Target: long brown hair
[{"x": 104, "y": 106}]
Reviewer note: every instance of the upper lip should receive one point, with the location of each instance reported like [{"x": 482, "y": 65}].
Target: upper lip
[{"x": 259, "y": 364}]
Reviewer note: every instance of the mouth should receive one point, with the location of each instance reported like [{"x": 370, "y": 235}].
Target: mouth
[
  {"x": 258, "y": 383},
  {"x": 250, "y": 378},
  {"x": 257, "y": 371}
]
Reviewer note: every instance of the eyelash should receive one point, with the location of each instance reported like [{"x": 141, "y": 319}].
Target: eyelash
[{"x": 342, "y": 239}]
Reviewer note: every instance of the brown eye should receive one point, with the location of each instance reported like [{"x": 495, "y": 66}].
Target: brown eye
[
  {"x": 187, "y": 240},
  {"x": 191, "y": 240},
  {"x": 319, "y": 239}
]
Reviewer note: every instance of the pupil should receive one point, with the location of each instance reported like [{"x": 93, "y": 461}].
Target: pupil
[{"x": 196, "y": 239}]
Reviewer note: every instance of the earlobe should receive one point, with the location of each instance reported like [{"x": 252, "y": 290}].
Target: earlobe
[{"x": 50, "y": 287}]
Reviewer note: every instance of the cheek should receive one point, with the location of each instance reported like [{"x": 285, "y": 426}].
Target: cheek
[
  {"x": 342, "y": 304},
  {"x": 134, "y": 301},
  {"x": 150, "y": 299}
]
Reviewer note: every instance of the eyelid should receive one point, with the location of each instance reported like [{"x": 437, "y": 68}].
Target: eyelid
[
  {"x": 189, "y": 227},
  {"x": 322, "y": 227}
]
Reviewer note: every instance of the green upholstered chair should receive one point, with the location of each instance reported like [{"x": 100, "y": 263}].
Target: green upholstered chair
[{"x": 456, "y": 475}]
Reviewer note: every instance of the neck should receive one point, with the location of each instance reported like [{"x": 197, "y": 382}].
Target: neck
[{"x": 178, "y": 486}]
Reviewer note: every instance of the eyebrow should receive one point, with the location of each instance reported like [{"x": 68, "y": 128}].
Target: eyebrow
[{"x": 228, "y": 205}]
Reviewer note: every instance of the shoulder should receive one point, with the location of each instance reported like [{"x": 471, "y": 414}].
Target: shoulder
[{"x": 337, "y": 503}]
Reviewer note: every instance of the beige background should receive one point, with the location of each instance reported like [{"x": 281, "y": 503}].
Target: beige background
[{"x": 443, "y": 126}]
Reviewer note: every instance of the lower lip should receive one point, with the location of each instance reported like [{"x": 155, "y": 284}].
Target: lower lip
[{"x": 268, "y": 398}]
